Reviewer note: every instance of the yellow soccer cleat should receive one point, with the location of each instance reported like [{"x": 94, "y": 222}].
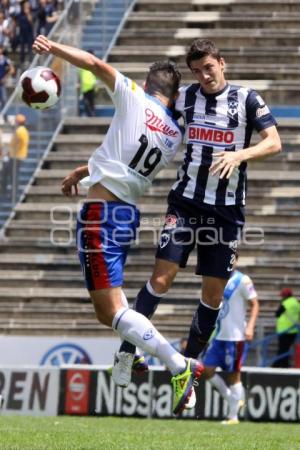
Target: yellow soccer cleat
[
  {"x": 183, "y": 384},
  {"x": 230, "y": 422}
]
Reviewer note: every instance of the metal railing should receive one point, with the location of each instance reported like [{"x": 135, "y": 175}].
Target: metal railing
[{"x": 262, "y": 346}]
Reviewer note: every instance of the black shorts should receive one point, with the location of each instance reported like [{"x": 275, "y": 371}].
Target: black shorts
[{"x": 213, "y": 230}]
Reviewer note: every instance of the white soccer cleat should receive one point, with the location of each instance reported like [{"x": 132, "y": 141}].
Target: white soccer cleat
[
  {"x": 121, "y": 372},
  {"x": 190, "y": 404}
]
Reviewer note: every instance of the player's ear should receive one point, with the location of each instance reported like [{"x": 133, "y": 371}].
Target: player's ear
[
  {"x": 145, "y": 86},
  {"x": 222, "y": 63}
]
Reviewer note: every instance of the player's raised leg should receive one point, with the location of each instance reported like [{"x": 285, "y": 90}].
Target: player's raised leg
[
  {"x": 145, "y": 303},
  {"x": 138, "y": 330}
]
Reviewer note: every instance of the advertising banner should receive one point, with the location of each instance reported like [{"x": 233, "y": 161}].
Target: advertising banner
[
  {"x": 29, "y": 391},
  {"x": 271, "y": 395}
]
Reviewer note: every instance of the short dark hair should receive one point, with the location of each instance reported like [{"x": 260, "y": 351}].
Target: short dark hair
[
  {"x": 163, "y": 78},
  {"x": 201, "y": 48}
]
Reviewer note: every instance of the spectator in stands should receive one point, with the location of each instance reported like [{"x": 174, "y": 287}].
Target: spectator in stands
[
  {"x": 25, "y": 32},
  {"x": 226, "y": 348},
  {"x": 6, "y": 69},
  {"x": 142, "y": 139},
  {"x": 18, "y": 152},
  {"x": 206, "y": 203},
  {"x": 88, "y": 86},
  {"x": 47, "y": 15},
  {"x": 287, "y": 325},
  {"x": 1, "y": 150},
  {"x": 10, "y": 7},
  {"x": 5, "y": 30}
]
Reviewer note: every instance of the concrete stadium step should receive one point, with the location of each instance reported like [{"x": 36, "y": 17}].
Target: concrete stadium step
[
  {"x": 273, "y": 91},
  {"x": 62, "y": 215},
  {"x": 62, "y": 233},
  {"x": 223, "y": 38},
  {"x": 88, "y": 126},
  {"x": 85, "y": 125},
  {"x": 246, "y": 6},
  {"x": 40, "y": 194},
  {"x": 141, "y": 263},
  {"x": 57, "y": 295},
  {"x": 213, "y": 19},
  {"x": 148, "y": 54},
  {"x": 138, "y": 70},
  {"x": 255, "y": 239},
  {"x": 166, "y": 177},
  {"x": 57, "y": 279},
  {"x": 283, "y": 161}
]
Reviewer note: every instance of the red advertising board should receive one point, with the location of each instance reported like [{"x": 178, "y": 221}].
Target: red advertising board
[{"x": 77, "y": 391}]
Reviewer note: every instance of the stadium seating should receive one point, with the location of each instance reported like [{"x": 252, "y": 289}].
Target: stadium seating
[{"x": 48, "y": 295}]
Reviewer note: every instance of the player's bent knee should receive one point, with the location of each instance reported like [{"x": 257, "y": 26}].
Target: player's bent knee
[
  {"x": 161, "y": 285},
  {"x": 214, "y": 302}
]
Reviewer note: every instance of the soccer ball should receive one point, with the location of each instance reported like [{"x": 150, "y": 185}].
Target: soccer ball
[{"x": 39, "y": 87}]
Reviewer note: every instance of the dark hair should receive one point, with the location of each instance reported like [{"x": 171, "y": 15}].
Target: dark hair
[
  {"x": 201, "y": 48},
  {"x": 163, "y": 78}
]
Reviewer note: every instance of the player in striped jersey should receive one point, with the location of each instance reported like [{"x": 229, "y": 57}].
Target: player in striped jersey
[
  {"x": 206, "y": 204},
  {"x": 141, "y": 140}
]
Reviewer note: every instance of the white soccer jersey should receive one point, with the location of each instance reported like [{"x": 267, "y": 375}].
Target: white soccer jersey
[
  {"x": 232, "y": 319},
  {"x": 214, "y": 123},
  {"x": 142, "y": 139}
]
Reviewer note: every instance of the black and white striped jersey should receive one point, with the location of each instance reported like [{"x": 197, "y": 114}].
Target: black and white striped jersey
[{"x": 217, "y": 122}]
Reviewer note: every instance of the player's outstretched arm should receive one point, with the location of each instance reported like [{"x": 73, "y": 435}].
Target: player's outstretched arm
[
  {"x": 78, "y": 58},
  {"x": 70, "y": 182}
]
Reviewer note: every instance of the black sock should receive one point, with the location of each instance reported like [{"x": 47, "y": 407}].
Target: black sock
[
  {"x": 146, "y": 304},
  {"x": 202, "y": 326}
]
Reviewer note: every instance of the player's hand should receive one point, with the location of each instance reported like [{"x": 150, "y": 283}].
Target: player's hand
[
  {"x": 225, "y": 163},
  {"x": 41, "y": 45},
  {"x": 69, "y": 184},
  {"x": 249, "y": 333}
]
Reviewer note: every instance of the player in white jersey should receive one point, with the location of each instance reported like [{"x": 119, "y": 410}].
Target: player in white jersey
[
  {"x": 206, "y": 204},
  {"x": 226, "y": 348},
  {"x": 141, "y": 140}
]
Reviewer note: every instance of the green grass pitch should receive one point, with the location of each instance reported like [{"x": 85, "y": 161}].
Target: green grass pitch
[{"x": 78, "y": 433}]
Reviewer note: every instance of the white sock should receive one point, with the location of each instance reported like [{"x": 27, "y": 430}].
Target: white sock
[
  {"x": 236, "y": 394},
  {"x": 237, "y": 391},
  {"x": 220, "y": 385},
  {"x": 137, "y": 329}
]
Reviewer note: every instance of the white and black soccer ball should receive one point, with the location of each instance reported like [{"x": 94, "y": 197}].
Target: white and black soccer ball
[{"x": 39, "y": 88}]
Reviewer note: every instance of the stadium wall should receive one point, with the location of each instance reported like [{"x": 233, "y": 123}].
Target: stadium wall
[{"x": 272, "y": 394}]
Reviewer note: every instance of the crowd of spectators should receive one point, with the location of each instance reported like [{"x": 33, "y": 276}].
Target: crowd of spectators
[{"x": 21, "y": 21}]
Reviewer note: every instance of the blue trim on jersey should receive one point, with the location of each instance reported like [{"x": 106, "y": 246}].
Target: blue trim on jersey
[
  {"x": 165, "y": 108},
  {"x": 231, "y": 286},
  {"x": 252, "y": 108}
]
